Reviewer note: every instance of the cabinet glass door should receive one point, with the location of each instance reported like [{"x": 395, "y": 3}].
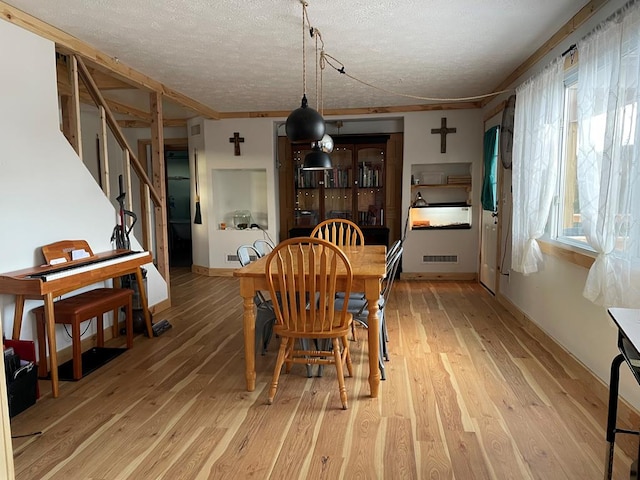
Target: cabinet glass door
[
  {"x": 307, "y": 192},
  {"x": 338, "y": 184},
  {"x": 370, "y": 185}
]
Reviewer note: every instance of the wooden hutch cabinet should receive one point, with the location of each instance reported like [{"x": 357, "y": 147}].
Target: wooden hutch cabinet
[{"x": 356, "y": 188}]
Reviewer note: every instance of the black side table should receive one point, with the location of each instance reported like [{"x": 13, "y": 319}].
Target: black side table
[{"x": 628, "y": 322}]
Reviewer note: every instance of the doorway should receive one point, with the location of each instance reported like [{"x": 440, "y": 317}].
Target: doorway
[
  {"x": 179, "y": 251},
  {"x": 178, "y": 205},
  {"x": 489, "y": 198}
]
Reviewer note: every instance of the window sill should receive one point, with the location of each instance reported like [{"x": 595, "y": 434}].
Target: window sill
[{"x": 567, "y": 253}]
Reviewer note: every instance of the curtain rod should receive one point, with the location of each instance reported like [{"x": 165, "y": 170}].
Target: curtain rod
[
  {"x": 610, "y": 18},
  {"x": 569, "y": 50}
]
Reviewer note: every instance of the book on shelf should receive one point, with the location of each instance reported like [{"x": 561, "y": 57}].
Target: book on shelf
[{"x": 458, "y": 179}]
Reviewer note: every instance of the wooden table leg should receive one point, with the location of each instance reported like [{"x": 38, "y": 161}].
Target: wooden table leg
[
  {"x": 143, "y": 299},
  {"x": 51, "y": 336},
  {"x": 17, "y": 317},
  {"x": 249, "y": 329},
  {"x": 372, "y": 292}
]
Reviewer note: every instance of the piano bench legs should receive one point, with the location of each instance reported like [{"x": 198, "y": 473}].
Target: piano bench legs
[{"x": 79, "y": 308}]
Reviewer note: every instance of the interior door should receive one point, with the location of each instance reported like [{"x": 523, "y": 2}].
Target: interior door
[
  {"x": 490, "y": 202},
  {"x": 489, "y": 250}
]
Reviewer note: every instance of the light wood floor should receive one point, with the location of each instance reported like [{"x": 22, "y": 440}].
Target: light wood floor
[{"x": 469, "y": 395}]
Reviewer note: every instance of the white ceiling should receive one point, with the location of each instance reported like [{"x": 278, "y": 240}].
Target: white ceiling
[{"x": 237, "y": 56}]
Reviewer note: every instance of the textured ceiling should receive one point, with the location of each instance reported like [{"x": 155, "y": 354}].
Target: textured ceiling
[{"x": 247, "y": 56}]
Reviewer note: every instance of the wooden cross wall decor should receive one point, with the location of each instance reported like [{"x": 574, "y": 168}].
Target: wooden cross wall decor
[
  {"x": 443, "y": 130},
  {"x": 236, "y": 140}
]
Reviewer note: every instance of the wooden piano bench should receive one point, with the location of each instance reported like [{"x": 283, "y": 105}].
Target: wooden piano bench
[{"x": 79, "y": 308}]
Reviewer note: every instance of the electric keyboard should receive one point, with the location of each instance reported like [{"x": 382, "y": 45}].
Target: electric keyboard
[
  {"x": 86, "y": 265},
  {"x": 47, "y": 282}
]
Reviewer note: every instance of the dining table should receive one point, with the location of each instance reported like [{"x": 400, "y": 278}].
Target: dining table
[{"x": 368, "y": 264}]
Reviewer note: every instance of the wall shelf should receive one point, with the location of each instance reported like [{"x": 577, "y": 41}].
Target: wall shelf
[
  {"x": 462, "y": 226},
  {"x": 441, "y": 183},
  {"x": 466, "y": 186}
]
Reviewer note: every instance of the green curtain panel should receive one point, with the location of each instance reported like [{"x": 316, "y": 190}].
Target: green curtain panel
[{"x": 490, "y": 177}]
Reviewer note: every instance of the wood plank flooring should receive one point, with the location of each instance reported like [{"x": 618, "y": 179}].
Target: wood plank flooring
[{"x": 469, "y": 394}]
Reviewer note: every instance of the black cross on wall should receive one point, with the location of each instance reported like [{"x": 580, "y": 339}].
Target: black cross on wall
[
  {"x": 236, "y": 140},
  {"x": 443, "y": 130}
]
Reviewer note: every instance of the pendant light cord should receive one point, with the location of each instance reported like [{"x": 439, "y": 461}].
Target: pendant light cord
[
  {"x": 339, "y": 67},
  {"x": 304, "y": 55},
  {"x": 317, "y": 96}
]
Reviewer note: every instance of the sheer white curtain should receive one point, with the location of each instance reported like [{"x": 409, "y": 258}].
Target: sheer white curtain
[
  {"x": 608, "y": 156},
  {"x": 536, "y": 145}
]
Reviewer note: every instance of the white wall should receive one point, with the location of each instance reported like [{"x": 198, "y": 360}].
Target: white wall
[
  {"x": 553, "y": 297},
  {"x": 423, "y": 147},
  {"x": 211, "y": 245},
  {"x": 46, "y": 193},
  {"x": 420, "y": 146}
]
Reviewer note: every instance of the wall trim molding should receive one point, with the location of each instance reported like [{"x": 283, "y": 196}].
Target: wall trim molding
[
  {"x": 213, "y": 272},
  {"x": 442, "y": 276}
]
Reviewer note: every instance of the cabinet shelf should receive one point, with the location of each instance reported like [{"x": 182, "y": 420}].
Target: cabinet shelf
[{"x": 353, "y": 189}]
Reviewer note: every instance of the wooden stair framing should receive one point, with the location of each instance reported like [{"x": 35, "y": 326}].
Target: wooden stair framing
[{"x": 153, "y": 193}]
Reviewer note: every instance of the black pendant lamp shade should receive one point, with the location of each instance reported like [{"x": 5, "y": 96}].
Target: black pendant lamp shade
[
  {"x": 316, "y": 159},
  {"x": 304, "y": 124}
]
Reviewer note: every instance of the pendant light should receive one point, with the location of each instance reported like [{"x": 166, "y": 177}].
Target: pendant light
[
  {"x": 326, "y": 143},
  {"x": 316, "y": 159},
  {"x": 304, "y": 124}
]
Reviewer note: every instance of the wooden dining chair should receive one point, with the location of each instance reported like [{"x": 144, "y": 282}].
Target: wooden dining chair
[
  {"x": 339, "y": 231},
  {"x": 307, "y": 268}
]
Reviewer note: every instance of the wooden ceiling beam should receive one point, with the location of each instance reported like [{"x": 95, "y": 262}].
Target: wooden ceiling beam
[
  {"x": 125, "y": 109},
  {"x": 108, "y": 82},
  {"x": 69, "y": 44},
  {"x": 119, "y": 107},
  {"x": 166, "y": 122},
  {"x": 142, "y": 118},
  {"x": 115, "y": 129},
  {"x": 104, "y": 80},
  {"x": 359, "y": 111}
]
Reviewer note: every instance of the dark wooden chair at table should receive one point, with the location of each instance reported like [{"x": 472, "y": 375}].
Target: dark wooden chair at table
[
  {"x": 81, "y": 307},
  {"x": 307, "y": 268}
]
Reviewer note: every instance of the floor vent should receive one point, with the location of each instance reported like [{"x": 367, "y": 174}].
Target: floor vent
[
  {"x": 234, "y": 258},
  {"x": 439, "y": 259}
]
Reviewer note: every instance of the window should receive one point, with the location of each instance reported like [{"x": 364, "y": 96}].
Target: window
[
  {"x": 565, "y": 223},
  {"x": 595, "y": 186},
  {"x": 566, "y": 220}
]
